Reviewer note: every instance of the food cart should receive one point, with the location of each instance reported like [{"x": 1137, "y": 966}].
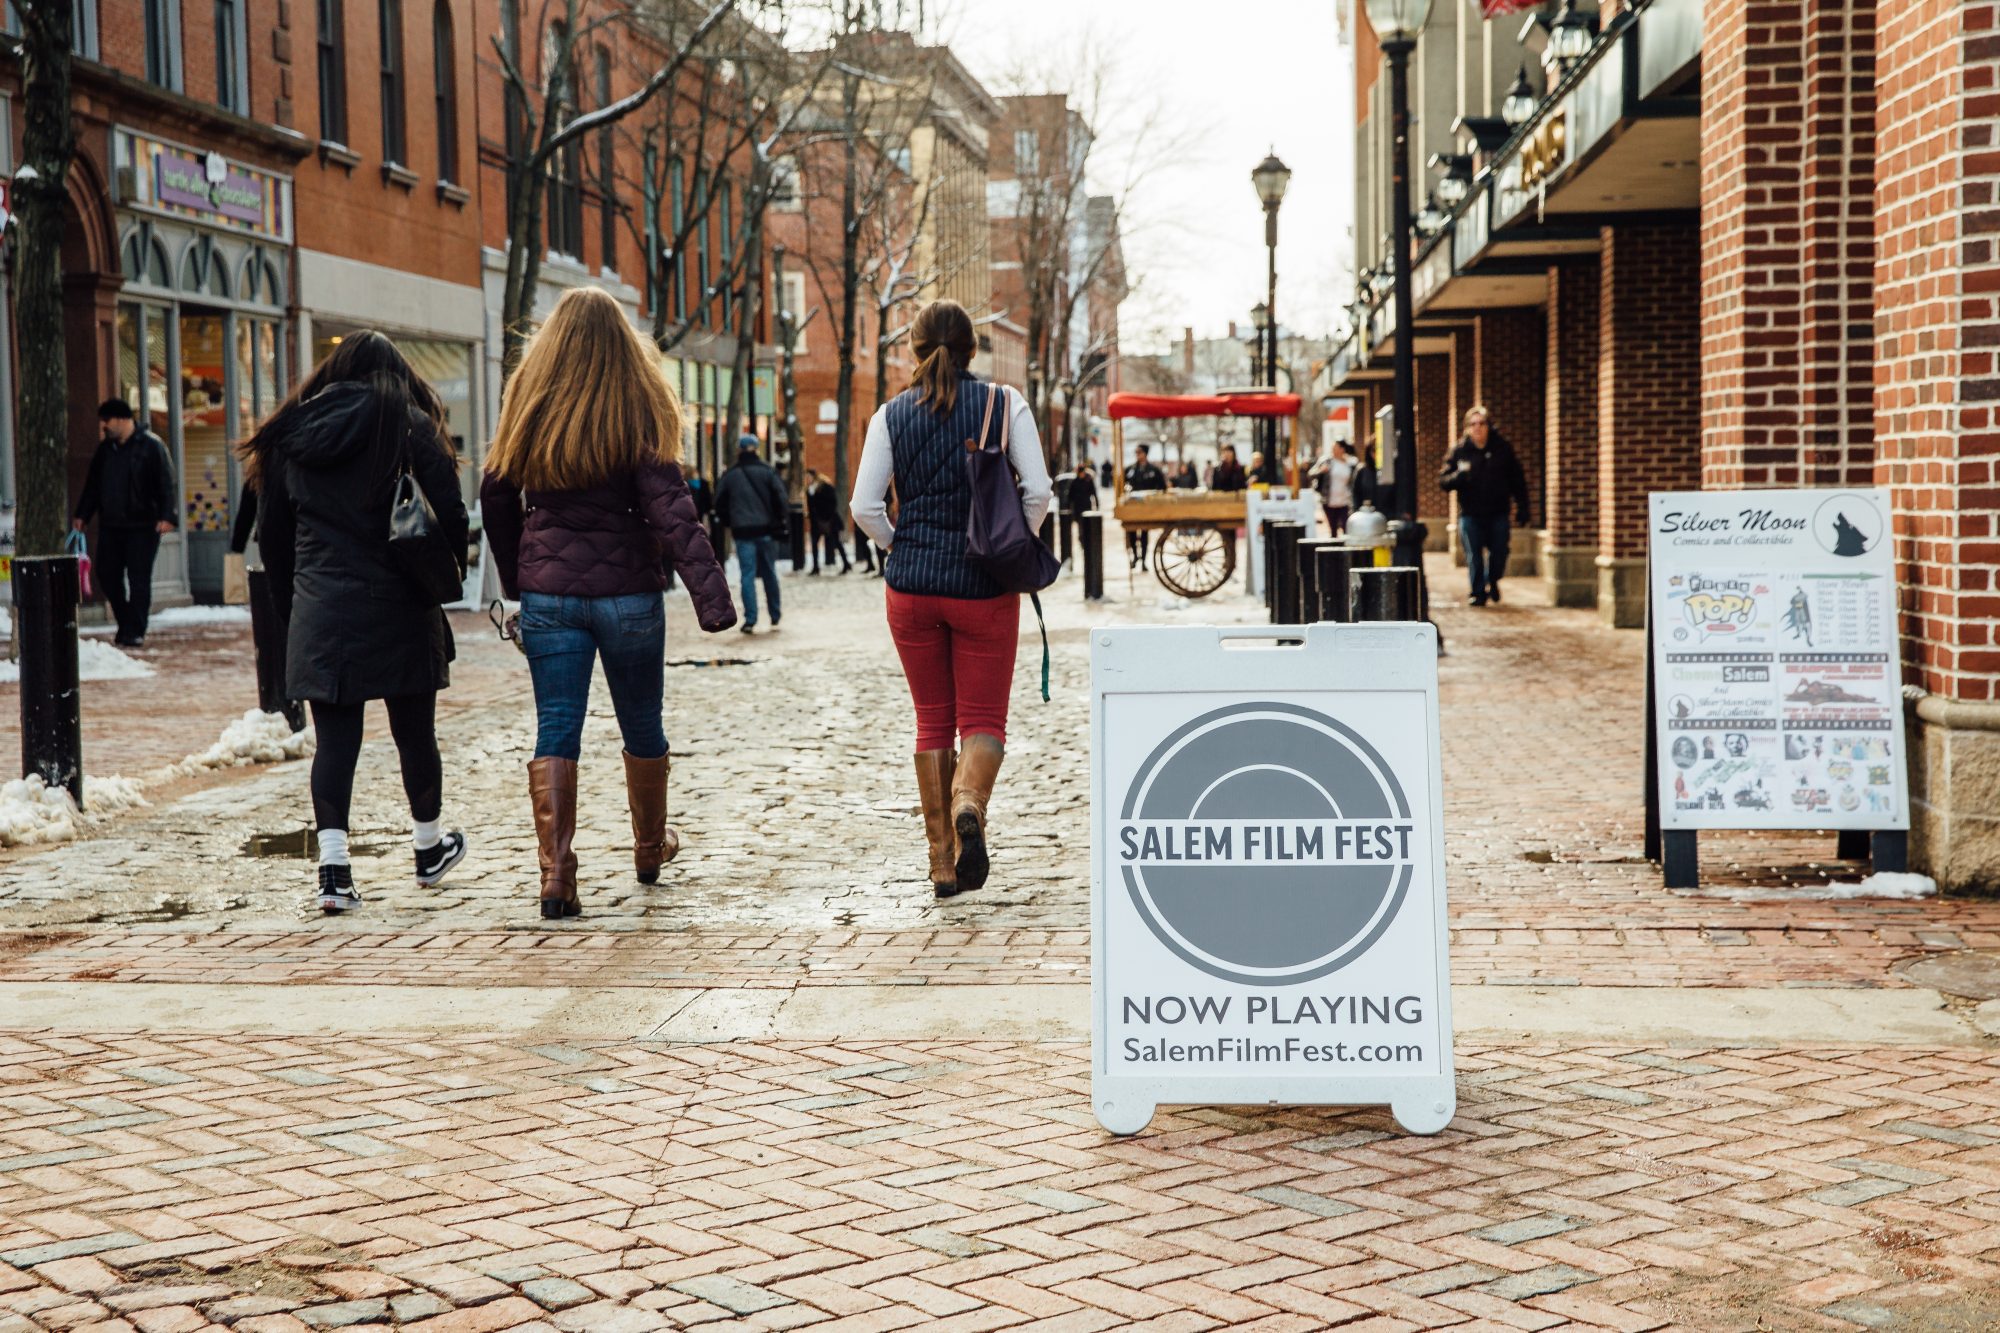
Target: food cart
[{"x": 1195, "y": 550}]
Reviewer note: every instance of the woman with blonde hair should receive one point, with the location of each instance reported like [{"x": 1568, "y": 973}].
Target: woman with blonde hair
[
  {"x": 585, "y": 505},
  {"x": 955, "y": 628}
]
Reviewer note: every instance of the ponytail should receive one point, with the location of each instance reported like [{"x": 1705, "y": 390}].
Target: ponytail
[{"x": 942, "y": 339}]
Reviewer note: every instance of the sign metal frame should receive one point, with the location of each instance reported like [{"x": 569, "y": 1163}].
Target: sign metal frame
[{"x": 1275, "y": 665}]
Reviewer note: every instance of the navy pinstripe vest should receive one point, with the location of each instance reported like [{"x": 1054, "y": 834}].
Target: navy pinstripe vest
[{"x": 933, "y": 497}]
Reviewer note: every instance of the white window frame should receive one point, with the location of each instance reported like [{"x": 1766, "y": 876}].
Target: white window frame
[
  {"x": 787, "y": 194},
  {"x": 174, "y": 76},
  {"x": 795, "y": 306},
  {"x": 239, "y": 42}
]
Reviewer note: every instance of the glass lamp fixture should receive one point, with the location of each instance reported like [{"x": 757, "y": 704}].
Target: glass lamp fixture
[
  {"x": 1570, "y": 37},
  {"x": 1397, "y": 20},
  {"x": 1521, "y": 102},
  {"x": 1430, "y": 218},
  {"x": 1271, "y": 177}
]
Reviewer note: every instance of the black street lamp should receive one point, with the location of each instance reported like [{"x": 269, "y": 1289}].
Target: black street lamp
[
  {"x": 1397, "y": 23},
  {"x": 1271, "y": 177}
]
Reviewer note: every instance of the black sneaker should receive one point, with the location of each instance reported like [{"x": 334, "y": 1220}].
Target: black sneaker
[
  {"x": 336, "y": 890},
  {"x": 433, "y": 863},
  {"x": 1493, "y": 590}
]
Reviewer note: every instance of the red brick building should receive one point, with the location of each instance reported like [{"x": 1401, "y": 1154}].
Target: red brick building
[{"x": 1723, "y": 246}]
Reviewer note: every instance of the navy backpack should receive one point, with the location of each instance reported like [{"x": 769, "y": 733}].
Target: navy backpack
[{"x": 997, "y": 539}]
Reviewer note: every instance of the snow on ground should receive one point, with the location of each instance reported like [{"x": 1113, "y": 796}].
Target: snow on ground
[
  {"x": 180, "y": 617},
  {"x": 32, "y": 812},
  {"x": 95, "y": 660},
  {"x": 1883, "y": 884}
]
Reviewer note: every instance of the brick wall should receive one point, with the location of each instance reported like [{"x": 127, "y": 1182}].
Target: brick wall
[
  {"x": 1462, "y": 377},
  {"x": 1936, "y": 324},
  {"x": 1570, "y": 403},
  {"x": 1436, "y": 431},
  {"x": 1507, "y": 376},
  {"x": 1650, "y": 340},
  {"x": 1787, "y": 130}
]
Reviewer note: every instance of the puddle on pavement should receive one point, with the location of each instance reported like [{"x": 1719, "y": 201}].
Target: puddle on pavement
[
  {"x": 302, "y": 844},
  {"x": 711, "y": 661}
]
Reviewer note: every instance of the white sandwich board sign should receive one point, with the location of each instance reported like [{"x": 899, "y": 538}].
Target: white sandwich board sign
[
  {"x": 1777, "y": 682},
  {"x": 1267, "y": 872}
]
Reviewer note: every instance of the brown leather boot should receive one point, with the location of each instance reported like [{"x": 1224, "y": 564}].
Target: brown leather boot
[
  {"x": 934, "y": 772},
  {"x": 552, "y": 786},
  {"x": 654, "y": 841},
  {"x": 979, "y": 758}
]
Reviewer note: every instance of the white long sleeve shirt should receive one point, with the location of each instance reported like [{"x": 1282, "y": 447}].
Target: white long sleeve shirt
[{"x": 870, "y": 501}]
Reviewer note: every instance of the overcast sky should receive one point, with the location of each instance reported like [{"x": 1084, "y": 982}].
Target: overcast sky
[{"x": 1224, "y": 81}]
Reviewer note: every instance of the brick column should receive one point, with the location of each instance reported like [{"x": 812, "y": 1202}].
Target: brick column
[
  {"x": 1435, "y": 436},
  {"x": 1787, "y": 149},
  {"x": 1569, "y": 539},
  {"x": 1648, "y": 412},
  {"x": 1507, "y": 376},
  {"x": 1937, "y": 437}
]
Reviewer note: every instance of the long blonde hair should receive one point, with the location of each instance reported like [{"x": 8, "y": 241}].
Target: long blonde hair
[{"x": 589, "y": 401}]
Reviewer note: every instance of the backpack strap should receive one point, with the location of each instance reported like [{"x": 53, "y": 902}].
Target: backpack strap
[
  {"x": 1036, "y": 599},
  {"x": 977, "y": 443}
]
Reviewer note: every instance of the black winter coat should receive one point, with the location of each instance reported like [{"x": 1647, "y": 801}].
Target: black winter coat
[
  {"x": 359, "y": 629},
  {"x": 751, "y": 499},
  {"x": 1486, "y": 479},
  {"x": 131, "y": 485}
]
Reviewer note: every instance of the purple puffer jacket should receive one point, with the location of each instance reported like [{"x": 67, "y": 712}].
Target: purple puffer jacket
[{"x": 606, "y": 541}]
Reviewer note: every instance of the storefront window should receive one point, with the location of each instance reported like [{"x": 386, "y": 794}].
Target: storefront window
[
  {"x": 448, "y": 368},
  {"x": 204, "y": 426}
]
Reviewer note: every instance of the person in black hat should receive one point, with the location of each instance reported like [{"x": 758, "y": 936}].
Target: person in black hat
[{"x": 130, "y": 492}]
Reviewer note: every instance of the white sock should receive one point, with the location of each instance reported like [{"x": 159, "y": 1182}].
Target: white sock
[
  {"x": 425, "y": 834},
  {"x": 333, "y": 846}
]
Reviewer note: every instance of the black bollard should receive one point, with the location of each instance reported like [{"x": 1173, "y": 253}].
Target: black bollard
[
  {"x": 1268, "y": 540},
  {"x": 1068, "y": 536},
  {"x": 45, "y": 597},
  {"x": 1337, "y": 562},
  {"x": 798, "y": 532},
  {"x": 1308, "y": 562},
  {"x": 1048, "y": 532},
  {"x": 1090, "y": 532},
  {"x": 1283, "y": 572},
  {"x": 1386, "y": 594}
]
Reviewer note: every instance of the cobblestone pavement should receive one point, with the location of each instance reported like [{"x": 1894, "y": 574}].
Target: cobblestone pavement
[
  {"x": 499, "y": 1175},
  {"x": 282, "y": 1184}
]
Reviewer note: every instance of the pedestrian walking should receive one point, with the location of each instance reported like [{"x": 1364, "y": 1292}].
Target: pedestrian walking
[
  {"x": 130, "y": 492},
  {"x": 1333, "y": 478},
  {"x": 326, "y": 467},
  {"x": 752, "y": 503},
  {"x": 1082, "y": 497},
  {"x": 1484, "y": 474},
  {"x": 1229, "y": 474},
  {"x": 1143, "y": 475},
  {"x": 585, "y": 507},
  {"x": 823, "y": 509},
  {"x": 954, "y": 628},
  {"x": 1104, "y": 475},
  {"x": 1186, "y": 478}
]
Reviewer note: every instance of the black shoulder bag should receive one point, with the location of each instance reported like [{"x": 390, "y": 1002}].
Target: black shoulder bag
[{"x": 417, "y": 541}]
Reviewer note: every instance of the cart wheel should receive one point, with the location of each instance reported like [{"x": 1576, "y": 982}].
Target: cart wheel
[{"x": 1194, "y": 562}]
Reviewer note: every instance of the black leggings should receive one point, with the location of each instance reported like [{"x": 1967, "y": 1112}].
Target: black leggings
[{"x": 413, "y": 723}]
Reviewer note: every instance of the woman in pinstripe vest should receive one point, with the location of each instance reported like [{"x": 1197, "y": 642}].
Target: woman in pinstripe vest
[{"x": 954, "y": 628}]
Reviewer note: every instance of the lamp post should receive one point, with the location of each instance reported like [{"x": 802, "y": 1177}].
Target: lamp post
[
  {"x": 1260, "y": 320},
  {"x": 1271, "y": 177},
  {"x": 1397, "y": 23}
]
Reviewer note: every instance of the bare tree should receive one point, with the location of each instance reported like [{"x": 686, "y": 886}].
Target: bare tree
[
  {"x": 544, "y": 123},
  {"x": 49, "y": 142}
]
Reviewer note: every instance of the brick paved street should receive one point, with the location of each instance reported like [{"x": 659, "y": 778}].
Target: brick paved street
[{"x": 556, "y": 1157}]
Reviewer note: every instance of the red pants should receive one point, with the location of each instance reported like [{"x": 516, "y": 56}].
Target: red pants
[{"x": 958, "y": 654}]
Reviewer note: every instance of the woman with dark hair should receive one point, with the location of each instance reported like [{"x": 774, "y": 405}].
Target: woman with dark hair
[
  {"x": 325, "y": 467},
  {"x": 954, "y": 628}
]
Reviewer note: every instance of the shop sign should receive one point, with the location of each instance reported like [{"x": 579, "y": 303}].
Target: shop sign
[
  {"x": 1543, "y": 152},
  {"x": 209, "y": 185},
  {"x": 1267, "y": 872},
  {"x": 1777, "y": 677}
]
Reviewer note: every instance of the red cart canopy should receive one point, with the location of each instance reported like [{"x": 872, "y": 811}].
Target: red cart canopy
[{"x": 1161, "y": 407}]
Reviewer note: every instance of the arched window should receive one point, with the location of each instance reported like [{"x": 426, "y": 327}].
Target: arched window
[
  {"x": 394, "y": 149},
  {"x": 444, "y": 59},
  {"x": 332, "y": 72}
]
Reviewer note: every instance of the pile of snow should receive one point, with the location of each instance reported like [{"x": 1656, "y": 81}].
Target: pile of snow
[
  {"x": 179, "y": 617},
  {"x": 95, "y": 660},
  {"x": 33, "y": 812},
  {"x": 255, "y": 738},
  {"x": 1883, "y": 884}
]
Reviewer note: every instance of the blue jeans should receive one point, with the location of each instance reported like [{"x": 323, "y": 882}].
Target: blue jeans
[
  {"x": 757, "y": 559},
  {"x": 1485, "y": 542},
  {"x": 564, "y": 635}
]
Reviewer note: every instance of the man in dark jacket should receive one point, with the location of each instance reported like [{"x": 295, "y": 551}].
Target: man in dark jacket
[
  {"x": 823, "y": 512},
  {"x": 1485, "y": 475},
  {"x": 131, "y": 495},
  {"x": 1143, "y": 475},
  {"x": 752, "y": 502}
]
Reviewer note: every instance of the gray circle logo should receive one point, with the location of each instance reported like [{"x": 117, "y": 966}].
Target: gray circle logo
[{"x": 1266, "y": 844}]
